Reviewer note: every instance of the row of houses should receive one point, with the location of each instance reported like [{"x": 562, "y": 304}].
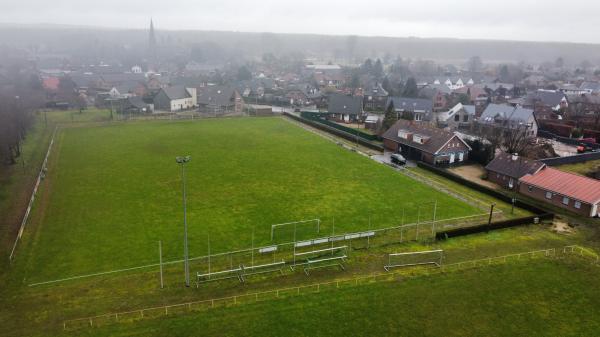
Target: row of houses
[{"x": 535, "y": 179}]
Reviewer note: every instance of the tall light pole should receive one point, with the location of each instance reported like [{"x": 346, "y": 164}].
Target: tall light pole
[{"x": 182, "y": 161}]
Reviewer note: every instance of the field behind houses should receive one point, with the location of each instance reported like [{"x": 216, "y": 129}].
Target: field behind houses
[{"x": 115, "y": 190}]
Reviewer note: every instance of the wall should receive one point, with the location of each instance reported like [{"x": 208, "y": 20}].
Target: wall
[
  {"x": 501, "y": 179},
  {"x": 580, "y": 158},
  {"x": 540, "y": 194}
]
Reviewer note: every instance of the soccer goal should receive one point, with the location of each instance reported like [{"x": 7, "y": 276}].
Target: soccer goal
[
  {"x": 408, "y": 259},
  {"x": 296, "y": 230}
]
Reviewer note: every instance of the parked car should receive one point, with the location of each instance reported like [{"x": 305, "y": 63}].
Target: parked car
[{"x": 398, "y": 159}]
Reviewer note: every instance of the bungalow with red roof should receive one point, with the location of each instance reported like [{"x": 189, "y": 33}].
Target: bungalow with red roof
[{"x": 570, "y": 191}]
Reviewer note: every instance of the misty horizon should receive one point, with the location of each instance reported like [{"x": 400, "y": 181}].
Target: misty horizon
[{"x": 552, "y": 22}]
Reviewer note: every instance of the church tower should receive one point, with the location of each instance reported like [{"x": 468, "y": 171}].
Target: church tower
[{"x": 152, "y": 46}]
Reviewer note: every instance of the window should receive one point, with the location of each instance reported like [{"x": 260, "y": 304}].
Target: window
[
  {"x": 457, "y": 118},
  {"x": 530, "y": 188},
  {"x": 465, "y": 118},
  {"x": 565, "y": 201},
  {"x": 578, "y": 204},
  {"x": 548, "y": 195}
]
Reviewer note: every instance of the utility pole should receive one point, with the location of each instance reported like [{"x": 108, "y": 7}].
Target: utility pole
[
  {"x": 182, "y": 161},
  {"x": 491, "y": 213}
]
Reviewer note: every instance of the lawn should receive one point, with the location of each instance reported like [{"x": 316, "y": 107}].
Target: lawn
[
  {"x": 537, "y": 298},
  {"x": 581, "y": 168},
  {"x": 113, "y": 191}
]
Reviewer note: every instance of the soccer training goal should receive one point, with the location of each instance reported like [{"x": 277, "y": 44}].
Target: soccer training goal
[
  {"x": 295, "y": 231},
  {"x": 408, "y": 259}
]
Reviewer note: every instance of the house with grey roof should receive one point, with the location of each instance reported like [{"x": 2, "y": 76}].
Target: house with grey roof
[
  {"x": 550, "y": 99},
  {"x": 510, "y": 117},
  {"x": 420, "y": 141},
  {"x": 345, "y": 108},
  {"x": 421, "y": 109},
  {"x": 459, "y": 116},
  {"x": 220, "y": 100},
  {"x": 590, "y": 87},
  {"x": 175, "y": 98}
]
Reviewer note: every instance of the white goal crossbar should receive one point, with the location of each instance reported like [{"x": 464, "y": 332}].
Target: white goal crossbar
[
  {"x": 438, "y": 254},
  {"x": 318, "y": 221}
]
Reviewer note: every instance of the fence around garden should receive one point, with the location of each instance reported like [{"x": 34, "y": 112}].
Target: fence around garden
[{"x": 201, "y": 305}]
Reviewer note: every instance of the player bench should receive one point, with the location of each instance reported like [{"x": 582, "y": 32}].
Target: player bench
[
  {"x": 219, "y": 275},
  {"x": 262, "y": 269}
]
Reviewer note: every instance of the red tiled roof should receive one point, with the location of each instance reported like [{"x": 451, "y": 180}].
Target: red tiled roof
[
  {"x": 568, "y": 184},
  {"x": 51, "y": 83}
]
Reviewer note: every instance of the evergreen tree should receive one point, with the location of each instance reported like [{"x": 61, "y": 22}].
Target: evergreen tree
[
  {"x": 410, "y": 88},
  {"x": 378, "y": 69},
  {"x": 390, "y": 116}
]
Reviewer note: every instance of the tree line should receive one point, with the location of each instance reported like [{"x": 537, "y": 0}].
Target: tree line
[{"x": 21, "y": 94}]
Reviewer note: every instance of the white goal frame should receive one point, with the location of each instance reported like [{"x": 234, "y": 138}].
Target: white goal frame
[
  {"x": 295, "y": 223},
  {"x": 436, "y": 262}
]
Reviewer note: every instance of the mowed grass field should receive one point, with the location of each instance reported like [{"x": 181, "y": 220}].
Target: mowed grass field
[
  {"x": 536, "y": 298},
  {"x": 114, "y": 191}
]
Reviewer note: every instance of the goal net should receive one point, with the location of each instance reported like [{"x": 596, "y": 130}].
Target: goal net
[
  {"x": 407, "y": 259},
  {"x": 295, "y": 231}
]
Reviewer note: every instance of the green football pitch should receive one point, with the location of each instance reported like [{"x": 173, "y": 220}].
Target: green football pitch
[{"x": 115, "y": 191}]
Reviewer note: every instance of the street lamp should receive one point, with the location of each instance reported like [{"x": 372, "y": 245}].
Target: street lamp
[{"x": 181, "y": 161}]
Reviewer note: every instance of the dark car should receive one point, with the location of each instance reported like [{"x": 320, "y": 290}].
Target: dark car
[{"x": 398, "y": 159}]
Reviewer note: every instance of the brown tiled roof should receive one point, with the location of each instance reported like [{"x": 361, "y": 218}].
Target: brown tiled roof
[
  {"x": 568, "y": 184},
  {"x": 504, "y": 164},
  {"x": 437, "y": 137}
]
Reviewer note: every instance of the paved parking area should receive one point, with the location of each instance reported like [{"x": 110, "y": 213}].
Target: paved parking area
[{"x": 386, "y": 158}]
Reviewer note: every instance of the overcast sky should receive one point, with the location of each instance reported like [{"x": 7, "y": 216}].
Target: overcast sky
[{"x": 535, "y": 20}]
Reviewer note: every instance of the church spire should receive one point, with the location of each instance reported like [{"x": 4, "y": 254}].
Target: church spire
[{"x": 152, "y": 45}]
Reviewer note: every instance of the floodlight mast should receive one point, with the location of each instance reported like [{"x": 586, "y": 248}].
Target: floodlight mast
[{"x": 182, "y": 161}]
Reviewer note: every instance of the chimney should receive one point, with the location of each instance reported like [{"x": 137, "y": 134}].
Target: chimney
[{"x": 515, "y": 156}]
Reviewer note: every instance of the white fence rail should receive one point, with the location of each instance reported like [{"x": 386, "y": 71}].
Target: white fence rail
[{"x": 40, "y": 177}]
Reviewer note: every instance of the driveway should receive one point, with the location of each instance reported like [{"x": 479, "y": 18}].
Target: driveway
[{"x": 386, "y": 158}]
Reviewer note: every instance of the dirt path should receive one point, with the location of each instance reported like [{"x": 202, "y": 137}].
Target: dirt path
[{"x": 473, "y": 173}]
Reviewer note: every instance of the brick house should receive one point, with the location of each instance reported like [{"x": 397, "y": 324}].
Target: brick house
[
  {"x": 569, "y": 191},
  {"x": 506, "y": 170},
  {"x": 419, "y": 141}
]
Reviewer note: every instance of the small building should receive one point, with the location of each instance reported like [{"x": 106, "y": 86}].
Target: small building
[
  {"x": 569, "y": 191},
  {"x": 345, "y": 108},
  {"x": 136, "y": 104},
  {"x": 220, "y": 100},
  {"x": 506, "y": 169},
  {"x": 420, "y": 141},
  {"x": 176, "y": 98},
  {"x": 259, "y": 110}
]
